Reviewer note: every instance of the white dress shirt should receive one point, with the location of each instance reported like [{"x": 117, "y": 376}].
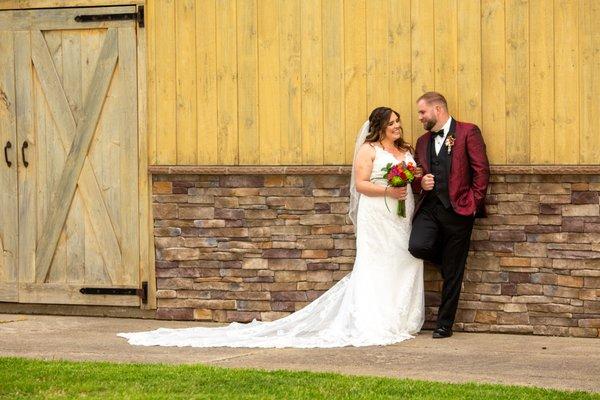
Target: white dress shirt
[{"x": 439, "y": 141}]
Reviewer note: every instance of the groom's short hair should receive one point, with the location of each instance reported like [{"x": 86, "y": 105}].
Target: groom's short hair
[{"x": 434, "y": 98}]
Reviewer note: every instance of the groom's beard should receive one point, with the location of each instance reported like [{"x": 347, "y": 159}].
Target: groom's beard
[{"x": 429, "y": 124}]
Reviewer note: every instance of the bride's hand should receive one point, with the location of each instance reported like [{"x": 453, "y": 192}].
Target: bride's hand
[
  {"x": 418, "y": 172},
  {"x": 397, "y": 192}
]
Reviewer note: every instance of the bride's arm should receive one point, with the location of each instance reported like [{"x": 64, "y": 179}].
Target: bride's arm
[{"x": 362, "y": 173}]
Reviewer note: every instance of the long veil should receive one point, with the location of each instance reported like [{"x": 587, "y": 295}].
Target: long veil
[{"x": 354, "y": 195}]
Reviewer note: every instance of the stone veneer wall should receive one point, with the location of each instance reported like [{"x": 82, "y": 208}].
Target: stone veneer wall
[{"x": 233, "y": 244}]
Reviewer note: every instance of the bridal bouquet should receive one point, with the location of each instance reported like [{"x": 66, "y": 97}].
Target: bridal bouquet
[{"x": 399, "y": 175}]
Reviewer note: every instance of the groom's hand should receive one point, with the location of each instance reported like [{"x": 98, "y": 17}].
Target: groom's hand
[{"x": 427, "y": 182}]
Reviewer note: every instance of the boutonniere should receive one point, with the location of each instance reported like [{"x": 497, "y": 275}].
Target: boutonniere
[{"x": 450, "y": 142}]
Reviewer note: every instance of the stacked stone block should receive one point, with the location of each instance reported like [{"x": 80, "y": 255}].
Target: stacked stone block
[
  {"x": 535, "y": 261},
  {"x": 237, "y": 247}
]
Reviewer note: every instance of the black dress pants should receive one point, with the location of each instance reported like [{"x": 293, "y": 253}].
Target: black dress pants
[{"x": 442, "y": 236}]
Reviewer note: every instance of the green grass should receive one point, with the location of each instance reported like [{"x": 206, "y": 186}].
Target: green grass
[{"x": 35, "y": 379}]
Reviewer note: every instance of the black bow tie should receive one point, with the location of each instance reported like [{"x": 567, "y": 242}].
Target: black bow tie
[{"x": 439, "y": 133}]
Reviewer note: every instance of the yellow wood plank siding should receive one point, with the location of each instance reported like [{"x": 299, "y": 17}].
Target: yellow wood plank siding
[
  {"x": 248, "y": 83},
  {"x": 333, "y": 82},
  {"x": 227, "y": 83},
  {"x": 166, "y": 88},
  {"x": 517, "y": 82},
  {"x": 355, "y": 72},
  {"x": 290, "y": 51},
  {"x": 541, "y": 80},
  {"x": 312, "y": 81},
  {"x": 269, "y": 93},
  {"x": 589, "y": 81},
  {"x": 185, "y": 72},
  {"x": 206, "y": 78},
  {"x": 400, "y": 69},
  {"x": 469, "y": 61},
  {"x": 445, "y": 56},
  {"x": 423, "y": 56},
  {"x": 493, "y": 67},
  {"x": 274, "y": 82},
  {"x": 378, "y": 54},
  {"x": 151, "y": 80},
  {"x": 566, "y": 54}
]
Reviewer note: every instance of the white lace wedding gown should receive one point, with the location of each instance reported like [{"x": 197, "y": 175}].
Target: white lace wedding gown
[{"x": 380, "y": 302}]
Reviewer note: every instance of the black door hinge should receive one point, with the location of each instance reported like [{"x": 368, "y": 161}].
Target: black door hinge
[
  {"x": 142, "y": 292},
  {"x": 137, "y": 16}
]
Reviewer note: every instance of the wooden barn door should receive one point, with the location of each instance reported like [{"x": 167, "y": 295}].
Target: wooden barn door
[
  {"x": 8, "y": 172},
  {"x": 77, "y": 142}
]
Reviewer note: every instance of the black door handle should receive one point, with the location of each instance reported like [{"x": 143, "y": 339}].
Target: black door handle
[
  {"x": 6, "y": 147},
  {"x": 23, "y": 147}
]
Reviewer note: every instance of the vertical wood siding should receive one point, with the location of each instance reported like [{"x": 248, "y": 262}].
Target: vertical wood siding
[{"x": 289, "y": 82}]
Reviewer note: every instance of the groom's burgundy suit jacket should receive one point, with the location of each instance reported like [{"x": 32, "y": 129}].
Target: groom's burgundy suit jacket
[{"x": 469, "y": 169}]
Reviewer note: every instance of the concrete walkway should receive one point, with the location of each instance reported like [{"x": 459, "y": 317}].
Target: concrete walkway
[{"x": 552, "y": 362}]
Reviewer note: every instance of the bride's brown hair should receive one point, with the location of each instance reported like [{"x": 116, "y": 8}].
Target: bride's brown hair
[{"x": 378, "y": 122}]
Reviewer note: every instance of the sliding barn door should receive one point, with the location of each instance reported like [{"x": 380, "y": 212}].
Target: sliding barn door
[
  {"x": 76, "y": 135},
  {"x": 8, "y": 171}
]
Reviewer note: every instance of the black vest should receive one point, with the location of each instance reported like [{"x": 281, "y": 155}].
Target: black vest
[{"x": 440, "y": 168}]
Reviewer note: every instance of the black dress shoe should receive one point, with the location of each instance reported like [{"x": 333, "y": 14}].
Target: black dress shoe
[{"x": 442, "y": 332}]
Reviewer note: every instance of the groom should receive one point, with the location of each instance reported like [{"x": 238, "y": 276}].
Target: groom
[{"x": 453, "y": 187}]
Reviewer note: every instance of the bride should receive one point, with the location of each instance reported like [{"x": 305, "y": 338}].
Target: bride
[{"x": 379, "y": 303}]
